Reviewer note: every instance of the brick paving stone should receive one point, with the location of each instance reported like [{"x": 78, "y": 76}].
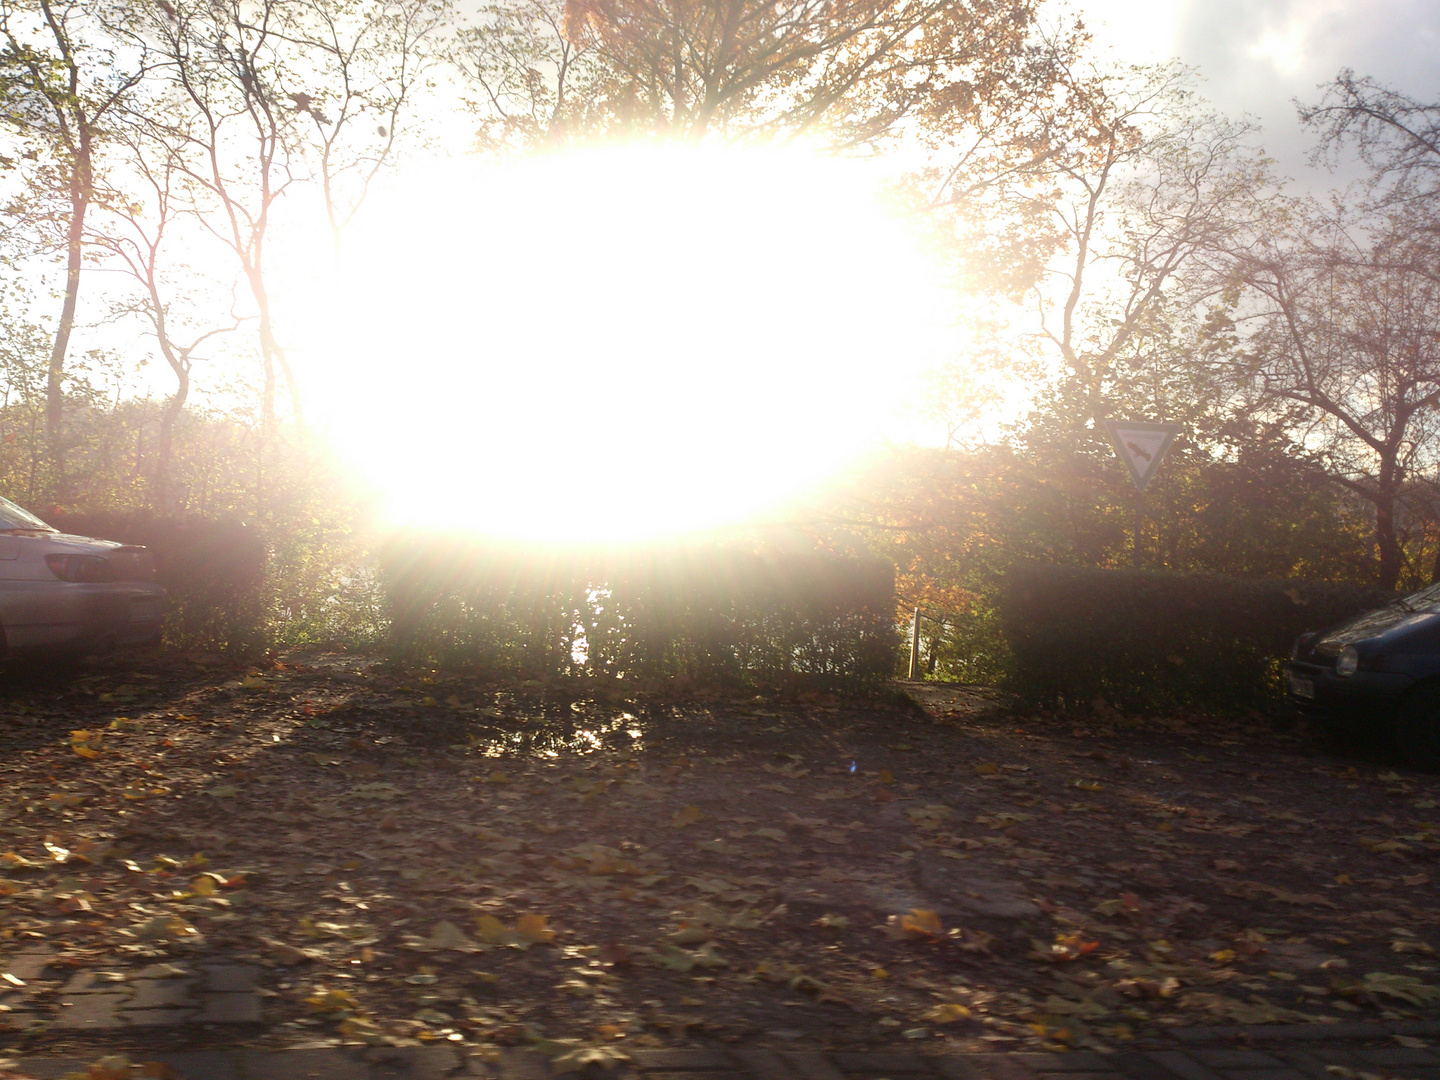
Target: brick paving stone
[
  {"x": 19, "y": 1020},
  {"x": 91, "y": 1012},
  {"x": 160, "y": 993},
  {"x": 1279, "y": 1033},
  {"x": 317, "y": 1064},
  {"x": 1398, "y": 1055},
  {"x": 954, "y": 1067},
  {"x": 86, "y": 982},
  {"x": 1000, "y": 1067},
  {"x": 681, "y": 1059},
  {"x": 229, "y": 978},
  {"x": 879, "y": 1062},
  {"x": 1237, "y": 1059},
  {"x": 167, "y": 1017},
  {"x": 229, "y": 1009},
  {"x": 1312, "y": 1062},
  {"x": 1182, "y": 1065},
  {"x": 413, "y": 1063},
  {"x": 27, "y": 965},
  {"x": 51, "y": 1068},
  {"x": 523, "y": 1065},
  {"x": 1417, "y": 1027},
  {"x": 811, "y": 1066},
  {"x": 201, "y": 1065},
  {"x": 1141, "y": 1066},
  {"x": 1077, "y": 1061},
  {"x": 761, "y": 1063}
]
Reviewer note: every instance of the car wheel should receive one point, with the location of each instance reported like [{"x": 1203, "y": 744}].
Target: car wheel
[{"x": 1417, "y": 728}]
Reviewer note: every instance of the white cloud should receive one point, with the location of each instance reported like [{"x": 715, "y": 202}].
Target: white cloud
[{"x": 1259, "y": 56}]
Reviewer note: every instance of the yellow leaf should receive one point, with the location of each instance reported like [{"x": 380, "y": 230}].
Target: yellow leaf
[
  {"x": 499, "y": 778},
  {"x": 688, "y": 816},
  {"x": 987, "y": 768},
  {"x": 491, "y": 930},
  {"x": 110, "y": 1067},
  {"x": 921, "y": 923},
  {"x": 533, "y": 928},
  {"x": 1088, "y": 785},
  {"x": 947, "y": 1013},
  {"x": 879, "y": 973},
  {"x": 204, "y": 885},
  {"x": 1223, "y": 956},
  {"x": 332, "y": 1001},
  {"x": 446, "y": 935},
  {"x": 85, "y": 751}
]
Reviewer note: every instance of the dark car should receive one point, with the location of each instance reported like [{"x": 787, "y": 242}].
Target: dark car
[{"x": 1380, "y": 671}]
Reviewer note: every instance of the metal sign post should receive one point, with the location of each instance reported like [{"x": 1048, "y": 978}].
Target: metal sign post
[{"x": 1140, "y": 446}]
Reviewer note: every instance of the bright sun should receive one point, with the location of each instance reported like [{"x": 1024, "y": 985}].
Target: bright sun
[{"x": 623, "y": 343}]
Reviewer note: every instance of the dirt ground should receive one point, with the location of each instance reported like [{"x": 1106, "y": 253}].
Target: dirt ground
[{"x": 418, "y": 857}]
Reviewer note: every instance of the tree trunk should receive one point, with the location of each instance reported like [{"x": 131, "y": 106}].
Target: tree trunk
[
  {"x": 1387, "y": 542},
  {"x": 173, "y": 408},
  {"x": 272, "y": 354},
  {"x": 54, "y": 383}
]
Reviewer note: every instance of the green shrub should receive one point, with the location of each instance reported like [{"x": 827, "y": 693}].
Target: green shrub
[
  {"x": 706, "y": 613},
  {"x": 1145, "y": 640}
]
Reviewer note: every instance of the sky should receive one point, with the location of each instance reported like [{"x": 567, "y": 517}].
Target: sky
[{"x": 1257, "y": 56}]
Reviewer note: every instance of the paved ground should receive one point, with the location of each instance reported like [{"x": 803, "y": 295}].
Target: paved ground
[
  {"x": 1357, "y": 1051},
  {"x": 218, "y": 1001}
]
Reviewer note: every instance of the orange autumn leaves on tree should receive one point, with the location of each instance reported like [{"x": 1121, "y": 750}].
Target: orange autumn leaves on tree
[{"x": 855, "y": 68}]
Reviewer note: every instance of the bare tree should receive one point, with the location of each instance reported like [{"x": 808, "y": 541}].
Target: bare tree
[
  {"x": 1349, "y": 342},
  {"x": 60, "y": 85},
  {"x": 1152, "y": 191},
  {"x": 137, "y": 230},
  {"x": 226, "y": 113},
  {"x": 367, "y": 61}
]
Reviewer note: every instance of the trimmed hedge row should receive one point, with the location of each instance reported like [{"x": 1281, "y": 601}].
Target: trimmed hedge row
[
  {"x": 214, "y": 572},
  {"x": 705, "y": 613},
  {"x": 1150, "y": 640}
]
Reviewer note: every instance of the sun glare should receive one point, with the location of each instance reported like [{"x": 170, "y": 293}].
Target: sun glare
[{"x": 623, "y": 343}]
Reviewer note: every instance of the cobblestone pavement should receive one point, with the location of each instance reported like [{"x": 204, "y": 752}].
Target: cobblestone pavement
[
  {"x": 209, "y": 991},
  {"x": 1359, "y": 1051},
  {"x": 221, "y": 999}
]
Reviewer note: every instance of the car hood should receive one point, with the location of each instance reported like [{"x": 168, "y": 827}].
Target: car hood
[
  {"x": 84, "y": 544},
  {"x": 1391, "y": 621}
]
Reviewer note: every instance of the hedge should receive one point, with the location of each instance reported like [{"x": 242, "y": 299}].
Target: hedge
[
  {"x": 1147, "y": 640},
  {"x": 214, "y": 572},
  {"x": 705, "y": 613}
]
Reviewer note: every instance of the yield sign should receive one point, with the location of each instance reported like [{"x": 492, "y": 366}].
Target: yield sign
[{"x": 1141, "y": 446}]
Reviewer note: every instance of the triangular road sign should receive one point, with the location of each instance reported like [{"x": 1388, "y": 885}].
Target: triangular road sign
[{"x": 1141, "y": 446}]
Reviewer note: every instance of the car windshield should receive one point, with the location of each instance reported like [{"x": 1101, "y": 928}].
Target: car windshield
[
  {"x": 1427, "y": 599},
  {"x": 12, "y": 518}
]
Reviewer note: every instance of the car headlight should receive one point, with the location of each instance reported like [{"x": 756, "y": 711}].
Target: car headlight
[
  {"x": 80, "y": 567},
  {"x": 1348, "y": 661}
]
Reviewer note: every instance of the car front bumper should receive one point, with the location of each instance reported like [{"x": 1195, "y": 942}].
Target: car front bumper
[
  {"x": 1363, "y": 700},
  {"x": 81, "y": 616}
]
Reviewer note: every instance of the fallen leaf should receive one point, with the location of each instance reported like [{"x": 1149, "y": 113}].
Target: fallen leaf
[
  {"x": 688, "y": 816},
  {"x": 947, "y": 1013},
  {"x": 533, "y": 929}
]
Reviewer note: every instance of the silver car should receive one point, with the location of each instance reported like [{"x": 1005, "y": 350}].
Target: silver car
[{"x": 73, "y": 593}]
